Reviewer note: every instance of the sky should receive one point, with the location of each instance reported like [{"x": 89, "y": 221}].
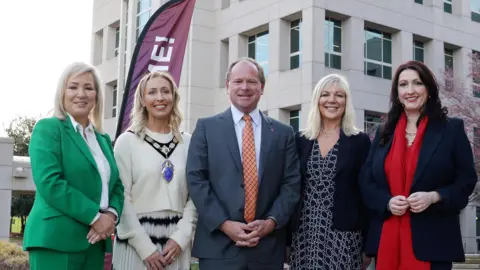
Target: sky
[{"x": 39, "y": 39}]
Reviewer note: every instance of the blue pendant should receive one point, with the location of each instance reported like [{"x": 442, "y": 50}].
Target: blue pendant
[{"x": 167, "y": 170}]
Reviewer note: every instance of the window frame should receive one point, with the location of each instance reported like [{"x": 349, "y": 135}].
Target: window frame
[
  {"x": 298, "y": 53},
  {"x": 448, "y": 3},
  {"x": 382, "y": 63},
  {"x": 138, "y": 29},
  {"x": 417, "y": 46},
  {"x": 294, "y": 117},
  {"x": 335, "y": 24},
  {"x": 114, "y": 100},
  {"x": 252, "y": 39},
  {"x": 475, "y": 14}
]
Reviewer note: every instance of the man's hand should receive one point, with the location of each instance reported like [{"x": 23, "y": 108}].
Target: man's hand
[
  {"x": 259, "y": 229},
  {"x": 263, "y": 226},
  {"x": 155, "y": 261},
  {"x": 235, "y": 230},
  {"x": 171, "y": 251}
]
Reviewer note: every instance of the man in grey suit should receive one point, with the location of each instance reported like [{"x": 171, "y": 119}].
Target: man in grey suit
[{"x": 243, "y": 175}]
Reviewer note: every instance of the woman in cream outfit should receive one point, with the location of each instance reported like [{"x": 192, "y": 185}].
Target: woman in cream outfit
[{"x": 158, "y": 222}]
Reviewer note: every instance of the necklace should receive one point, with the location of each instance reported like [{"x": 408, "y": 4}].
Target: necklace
[
  {"x": 328, "y": 134},
  {"x": 164, "y": 149},
  {"x": 410, "y": 133}
]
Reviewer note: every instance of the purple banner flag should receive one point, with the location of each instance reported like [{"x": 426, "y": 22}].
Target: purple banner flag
[{"x": 161, "y": 46}]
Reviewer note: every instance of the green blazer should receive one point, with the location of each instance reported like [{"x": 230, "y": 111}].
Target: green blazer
[{"x": 69, "y": 187}]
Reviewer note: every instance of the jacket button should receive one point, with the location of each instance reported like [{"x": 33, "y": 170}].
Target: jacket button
[{"x": 242, "y": 185}]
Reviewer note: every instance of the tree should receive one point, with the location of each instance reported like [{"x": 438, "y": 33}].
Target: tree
[
  {"x": 464, "y": 102},
  {"x": 21, "y": 206},
  {"x": 20, "y": 129}
]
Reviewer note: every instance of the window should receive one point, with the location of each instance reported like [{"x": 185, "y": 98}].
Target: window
[
  {"x": 333, "y": 43},
  {"x": 125, "y": 68},
  {"x": 143, "y": 14},
  {"x": 475, "y": 8},
  {"x": 447, "y": 6},
  {"x": 114, "y": 101},
  {"x": 419, "y": 2},
  {"x": 117, "y": 40},
  {"x": 372, "y": 122},
  {"x": 295, "y": 44},
  {"x": 448, "y": 59},
  {"x": 475, "y": 69},
  {"x": 258, "y": 49},
  {"x": 295, "y": 119},
  {"x": 418, "y": 52},
  {"x": 378, "y": 54}
]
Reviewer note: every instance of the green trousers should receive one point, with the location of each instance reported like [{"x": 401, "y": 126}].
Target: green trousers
[{"x": 47, "y": 259}]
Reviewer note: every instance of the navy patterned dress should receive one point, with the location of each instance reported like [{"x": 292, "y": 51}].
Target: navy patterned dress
[{"x": 316, "y": 245}]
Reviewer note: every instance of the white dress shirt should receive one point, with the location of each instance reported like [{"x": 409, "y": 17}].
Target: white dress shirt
[
  {"x": 88, "y": 134},
  {"x": 257, "y": 130}
]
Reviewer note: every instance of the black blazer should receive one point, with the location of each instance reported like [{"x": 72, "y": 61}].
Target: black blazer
[
  {"x": 445, "y": 165},
  {"x": 349, "y": 212}
]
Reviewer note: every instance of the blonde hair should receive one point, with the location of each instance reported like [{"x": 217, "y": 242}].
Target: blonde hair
[
  {"x": 72, "y": 71},
  {"x": 139, "y": 114},
  {"x": 314, "y": 122}
]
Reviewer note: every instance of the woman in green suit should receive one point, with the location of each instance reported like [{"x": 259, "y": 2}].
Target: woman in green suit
[{"x": 79, "y": 193}]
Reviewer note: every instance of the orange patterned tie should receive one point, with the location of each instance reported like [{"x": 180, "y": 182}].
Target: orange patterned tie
[{"x": 250, "y": 176}]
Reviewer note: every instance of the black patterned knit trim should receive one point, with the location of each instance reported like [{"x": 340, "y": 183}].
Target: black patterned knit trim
[
  {"x": 156, "y": 222},
  {"x": 160, "y": 221}
]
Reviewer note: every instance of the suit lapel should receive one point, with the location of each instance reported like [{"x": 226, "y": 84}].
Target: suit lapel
[
  {"x": 108, "y": 155},
  {"x": 79, "y": 141},
  {"x": 379, "y": 160},
  {"x": 267, "y": 135},
  {"x": 229, "y": 134},
  {"x": 344, "y": 148},
  {"x": 430, "y": 141}
]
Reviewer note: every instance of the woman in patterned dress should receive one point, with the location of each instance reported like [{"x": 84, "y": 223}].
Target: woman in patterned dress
[
  {"x": 157, "y": 225},
  {"x": 327, "y": 229}
]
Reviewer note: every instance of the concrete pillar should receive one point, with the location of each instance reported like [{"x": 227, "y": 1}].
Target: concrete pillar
[
  {"x": 304, "y": 114},
  {"x": 352, "y": 50},
  {"x": 107, "y": 51},
  {"x": 6, "y": 161},
  {"x": 461, "y": 68},
  {"x": 402, "y": 49},
  {"x": 435, "y": 57},
  {"x": 360, "y": 118},
  {"x": 238, "y": 48},
  {"x": 280, "y": 115},
  {"x": 468, "y": 226},
  {"x": 313, "y": 54},
  {"x": 462, "y": 9},
  {"x": 279, "y": 45}
]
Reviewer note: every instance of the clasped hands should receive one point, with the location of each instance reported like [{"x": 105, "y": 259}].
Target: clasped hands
[
  {"x": 102, "y": 228},
  {"x": 159, "y": 260},
  {"x": 417, "y": 202},
  {"x": 247, "y": 235}
]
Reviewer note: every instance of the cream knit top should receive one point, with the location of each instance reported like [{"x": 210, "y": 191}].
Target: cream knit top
[{"x": 146, "y": 191}]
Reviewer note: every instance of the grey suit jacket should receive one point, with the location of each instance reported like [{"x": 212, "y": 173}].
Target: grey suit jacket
[{"x": 215, "y": 184}]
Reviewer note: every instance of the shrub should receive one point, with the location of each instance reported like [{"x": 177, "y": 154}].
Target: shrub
[{"x": 12, "y": 257}]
